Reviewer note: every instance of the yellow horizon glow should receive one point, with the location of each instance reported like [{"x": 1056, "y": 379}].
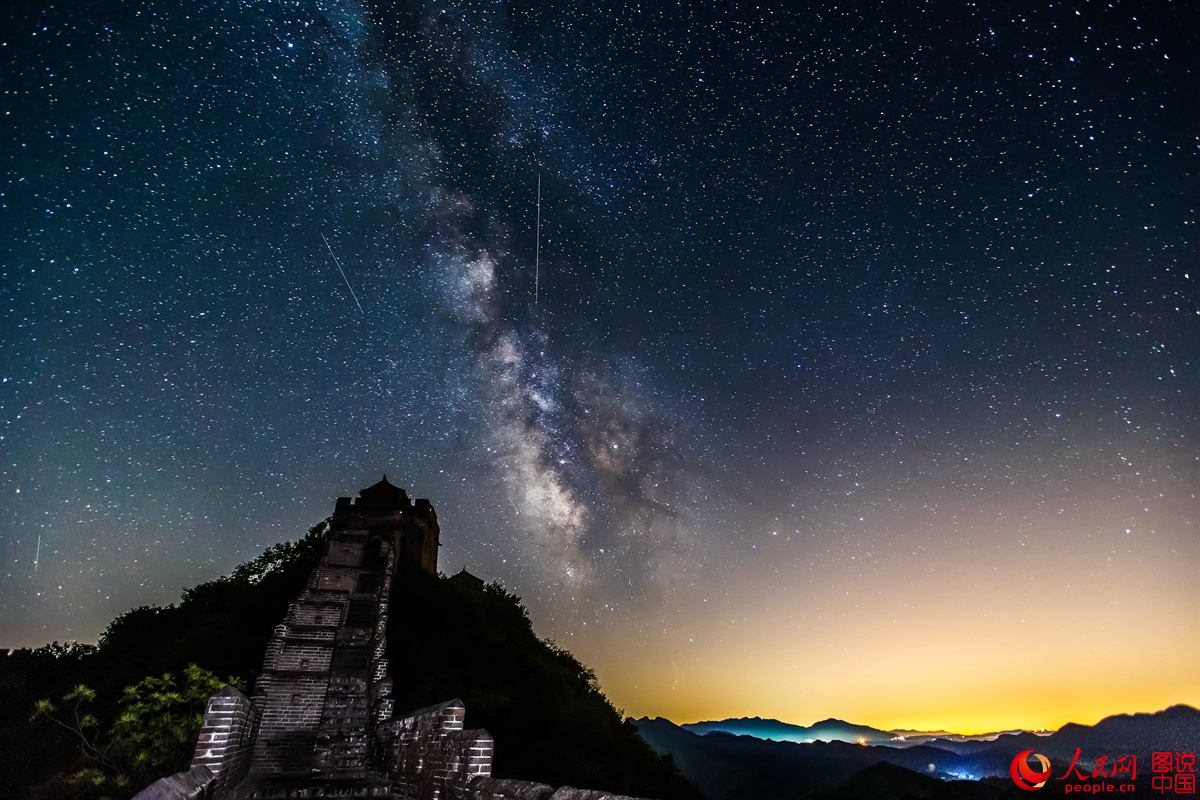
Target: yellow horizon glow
[{"x": 985, "y": 633}]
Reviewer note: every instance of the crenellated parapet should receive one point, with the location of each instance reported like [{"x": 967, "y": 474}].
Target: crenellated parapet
[
  {"x": 428, "y": 753},
  {"x": 226, "y": 738}
]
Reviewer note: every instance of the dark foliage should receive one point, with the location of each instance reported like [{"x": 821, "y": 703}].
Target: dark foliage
[
  {"x": 29, "y": 752},
  {"x": 450, "y": 637},
  {"x": 222, "y": 625},
  {"x": 153, "y": 734}
]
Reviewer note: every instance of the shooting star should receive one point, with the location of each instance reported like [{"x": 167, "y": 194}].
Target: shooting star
[
  {"x": 37, "y": 556},
  {"x": 338, "y": 264},
  {"x": 537, "y": 247}
]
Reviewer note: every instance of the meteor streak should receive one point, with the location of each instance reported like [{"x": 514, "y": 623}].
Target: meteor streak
[
  {"x": 338, "y": 264},
  {"x": 537, "y": 246}
]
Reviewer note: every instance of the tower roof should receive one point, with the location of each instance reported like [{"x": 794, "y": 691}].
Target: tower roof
[{"x": 383, "y": 494}]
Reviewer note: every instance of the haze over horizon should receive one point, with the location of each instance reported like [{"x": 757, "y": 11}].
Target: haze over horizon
[
  {"x": 861, "y": 381},
  {"x": 911, "y": 731}
]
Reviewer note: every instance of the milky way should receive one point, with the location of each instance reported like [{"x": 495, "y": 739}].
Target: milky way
[
  {"x": 581, "y": 462},
  {"x": 863, "y": 358}
]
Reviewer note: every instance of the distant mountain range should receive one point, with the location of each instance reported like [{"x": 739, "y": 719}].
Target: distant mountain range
[
  {"x": 832, "y": 730},
  {"x": 828, "y": 730},
  {"x": 751, "y": 758}
]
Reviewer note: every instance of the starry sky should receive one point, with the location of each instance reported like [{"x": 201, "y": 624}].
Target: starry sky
[{"x": 853, "y": 371}]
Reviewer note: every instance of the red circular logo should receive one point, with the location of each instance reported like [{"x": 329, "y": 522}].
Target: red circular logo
[{"x": 1024, "y": 776}]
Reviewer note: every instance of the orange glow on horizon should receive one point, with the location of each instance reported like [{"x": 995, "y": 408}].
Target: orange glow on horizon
[{"x": 986, "y": 633}]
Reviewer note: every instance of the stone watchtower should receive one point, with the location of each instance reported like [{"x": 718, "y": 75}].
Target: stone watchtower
[
  {"x": 324, "y": 685},
  {"x": 385, "y": 510}
]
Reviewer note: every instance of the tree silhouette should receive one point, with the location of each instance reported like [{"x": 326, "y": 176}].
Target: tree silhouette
[{"x": 153, "y": 734}]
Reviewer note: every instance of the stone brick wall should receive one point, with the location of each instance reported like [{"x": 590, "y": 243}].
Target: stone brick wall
[
  {"x": 317, "y": 614},
  {"x": 502, "y": 789},
  {"x": 505, "y": 789},
  {"x": 336, "y": 580},
  {"x": 431, "y": 756},
  {"x": 197, "y": 783},
  {"x": 472, "y": 756},
  {"x": 344, "y": 554},
  {"x": 225, "y": 741},
  {"x": 321, "y": 721},
  {"x": 571, "y": 793},
  {"x": 428, "y": 754},
  {"x": 323, "y": 685}
]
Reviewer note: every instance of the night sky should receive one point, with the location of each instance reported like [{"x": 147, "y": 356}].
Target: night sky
[{"x": 861, "y": 378}]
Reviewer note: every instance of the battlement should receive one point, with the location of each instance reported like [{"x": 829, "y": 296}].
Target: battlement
[{"x": 384, "y": 508}]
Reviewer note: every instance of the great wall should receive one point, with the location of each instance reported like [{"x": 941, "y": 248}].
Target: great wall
[{"x": 320, "y": 722}]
